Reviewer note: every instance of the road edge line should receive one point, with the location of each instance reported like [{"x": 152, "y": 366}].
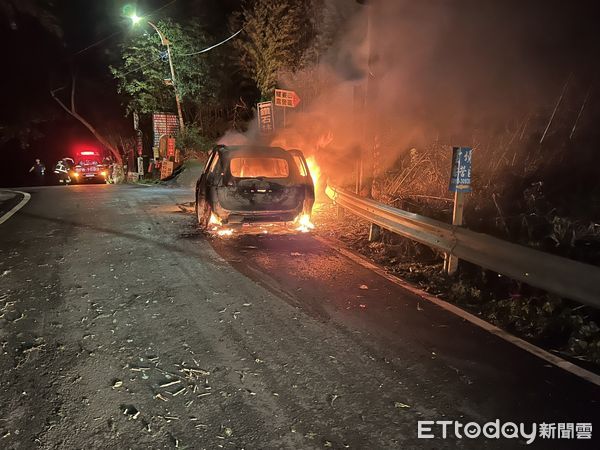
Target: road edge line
[
  {"x": 493, "y": 329},
  {"x": 23, "y": 202}
]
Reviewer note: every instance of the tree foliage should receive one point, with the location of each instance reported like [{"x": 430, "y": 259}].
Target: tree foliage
[
  {"x": 193, "y": 140},
  {"x": 145, "y": 68},
  {"x": 277, "y": 33}
]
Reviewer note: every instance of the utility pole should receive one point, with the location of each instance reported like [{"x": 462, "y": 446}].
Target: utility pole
[
  {"x": 167, "y": 44},
  {"x": 367, "y": 163},
  {"x": 135, "y": 19}
]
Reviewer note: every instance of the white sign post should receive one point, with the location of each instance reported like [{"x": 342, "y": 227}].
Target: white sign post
[{"x": 460, "y": 183}]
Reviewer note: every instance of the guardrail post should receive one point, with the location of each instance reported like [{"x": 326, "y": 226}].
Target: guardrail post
[
  {"x": 374, "y": 232},
  {"x": 340, "y": 212},
  {"x": 561, "y": 276},
  {"x": 451, "y": 261}
]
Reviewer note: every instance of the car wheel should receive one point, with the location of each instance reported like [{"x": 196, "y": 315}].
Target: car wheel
[{"x": 202, "y": 213}]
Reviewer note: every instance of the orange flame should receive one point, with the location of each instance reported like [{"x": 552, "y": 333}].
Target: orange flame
[
  {"x": 315, "y": 170},
  {"x": 225, "y": 232},
  {"x": 214, "y": 219},
  {"x": 304, "y": 223}
]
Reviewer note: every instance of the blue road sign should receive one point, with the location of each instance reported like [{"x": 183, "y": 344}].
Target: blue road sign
[{"x": 460, "y": 180}]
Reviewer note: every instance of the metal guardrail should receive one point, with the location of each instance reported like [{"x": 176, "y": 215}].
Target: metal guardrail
[{"x": 562, "y": 276}]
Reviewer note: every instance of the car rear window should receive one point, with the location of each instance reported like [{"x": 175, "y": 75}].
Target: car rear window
[
  {"x": 301, "y": 166},
  {"x": 252, "y": 167}
]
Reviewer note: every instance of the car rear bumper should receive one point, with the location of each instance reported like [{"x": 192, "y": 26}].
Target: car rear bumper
[
  {"x": 237, "y": 217},
  {"x": 89, "y": 179}
]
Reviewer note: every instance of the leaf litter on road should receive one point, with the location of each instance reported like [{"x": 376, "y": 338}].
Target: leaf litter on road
[{"x": 333, "y": 398}]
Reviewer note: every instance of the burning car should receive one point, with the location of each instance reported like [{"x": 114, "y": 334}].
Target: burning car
[{"x": 242, "y": 185}]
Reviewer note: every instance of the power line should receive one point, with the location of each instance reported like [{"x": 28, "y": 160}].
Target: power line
[
  {"x": 184, "y": 54},
  {"x": 212, "y": 46},
  {"x": 97, "y": 43},
  {"x": 141, "y": 67},
  {"x": 157, "y": 59},
  {"x": 116, "y": 33}
]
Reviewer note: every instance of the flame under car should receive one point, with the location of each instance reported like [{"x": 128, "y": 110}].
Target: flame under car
[{"x": 243, "y": 185}]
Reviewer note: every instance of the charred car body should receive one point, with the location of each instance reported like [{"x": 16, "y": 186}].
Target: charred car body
[{"x": 253, "y": 184}]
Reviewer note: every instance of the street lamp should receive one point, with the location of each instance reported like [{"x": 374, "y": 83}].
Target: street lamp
[{"x": 135, "y": 19}]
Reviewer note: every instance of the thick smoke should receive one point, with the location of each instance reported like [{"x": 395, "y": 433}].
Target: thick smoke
[{"x": 405, "y": 73}]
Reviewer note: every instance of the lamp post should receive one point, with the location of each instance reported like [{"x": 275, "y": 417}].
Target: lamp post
[{"x": 136, "y": 19}]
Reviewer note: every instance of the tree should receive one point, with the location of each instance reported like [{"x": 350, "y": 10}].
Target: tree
[
  {"x": 277, "y": 34},
  {"x": 145, "y": 68},
  {"x": 72, "y": 110}
]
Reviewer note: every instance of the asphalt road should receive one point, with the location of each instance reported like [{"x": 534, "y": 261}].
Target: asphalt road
[
  {"x": 8, "y": 199},
  {"x": 122, "y": 326}
]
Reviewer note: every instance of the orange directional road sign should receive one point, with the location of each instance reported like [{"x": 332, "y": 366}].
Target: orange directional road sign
[{"x": 287, "y": 99}]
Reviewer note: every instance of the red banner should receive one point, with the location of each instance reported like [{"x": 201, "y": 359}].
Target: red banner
[
  {"x": 164, "y": 124},
  {"x": 170, "y": 147}
]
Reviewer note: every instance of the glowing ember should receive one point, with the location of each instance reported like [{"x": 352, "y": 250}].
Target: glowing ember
[
  {"x": 315, "y": 171},
  {"x": 214, "y": 219},
  {"x": 225, "y": 232},
  {"x": 304, "y": 223}
]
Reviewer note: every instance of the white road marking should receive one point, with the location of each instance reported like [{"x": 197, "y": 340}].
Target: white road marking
[
  {"x": 527, "y": 346},
  {"x": 9, "y": 214}
]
